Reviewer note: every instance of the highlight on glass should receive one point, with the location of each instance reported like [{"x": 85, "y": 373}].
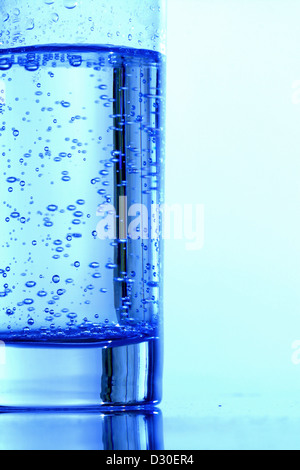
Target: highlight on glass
[{"x": 82, "y": 117}]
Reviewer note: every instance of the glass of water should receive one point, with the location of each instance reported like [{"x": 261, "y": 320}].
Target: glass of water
[{"x": 82, "y": 98}]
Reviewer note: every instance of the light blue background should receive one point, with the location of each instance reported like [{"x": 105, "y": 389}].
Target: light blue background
[
  {"x": 233, "y": 144},
  {"x": 231, "y": 309}
]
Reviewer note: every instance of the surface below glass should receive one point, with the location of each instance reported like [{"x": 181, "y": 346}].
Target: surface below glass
[
  {"x": 137, "y": 430},
  {"x": 233, "y": 421}
]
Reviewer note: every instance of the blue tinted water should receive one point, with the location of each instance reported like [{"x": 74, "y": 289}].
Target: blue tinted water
[{"x": 80, "y": 127}]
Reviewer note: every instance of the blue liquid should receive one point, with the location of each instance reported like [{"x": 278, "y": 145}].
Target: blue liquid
[{"x": 79, "y": 127}]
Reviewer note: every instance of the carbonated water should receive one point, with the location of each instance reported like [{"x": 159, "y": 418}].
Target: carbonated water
[{"x": 80, "y": 128}]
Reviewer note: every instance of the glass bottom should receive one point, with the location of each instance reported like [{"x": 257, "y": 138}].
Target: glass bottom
[{"x": 56, "y": 376}]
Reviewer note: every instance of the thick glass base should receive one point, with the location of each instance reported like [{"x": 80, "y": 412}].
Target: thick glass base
[{"x": 56, "y": 376}]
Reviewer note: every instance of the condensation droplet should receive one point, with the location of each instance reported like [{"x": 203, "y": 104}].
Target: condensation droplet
[
  {"x": 55, "y": 17},
  {"x": 70, "y": 4},
  {"x": 30, "y": 24}
]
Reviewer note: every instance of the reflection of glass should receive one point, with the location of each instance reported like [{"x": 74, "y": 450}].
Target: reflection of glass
[
  {"x": 140, "y": 430},
  {"x": 82, "y": 144}
]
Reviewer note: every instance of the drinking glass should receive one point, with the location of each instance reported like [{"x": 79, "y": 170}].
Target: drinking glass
[{"x": 82, "y": 104}]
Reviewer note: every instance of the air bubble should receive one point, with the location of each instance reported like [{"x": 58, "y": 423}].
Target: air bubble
[
  {"x": 94, "y": 265},
  {"x": 96, "y": 276},
  {"x": 52, "y": 208},
  {"x": 31, "y": 65},
  {"x": 30, "y": 284},
  {"x": 111, "y": 266},
  {"x": 72, "y": 316},
  {"x": 153, "y": 284},
  {"x": 42, "y": 293},
  {"x": 5, "y": 63},
  {"x": 65, "y": 104},
  {"x": 75, "y": 60}
]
